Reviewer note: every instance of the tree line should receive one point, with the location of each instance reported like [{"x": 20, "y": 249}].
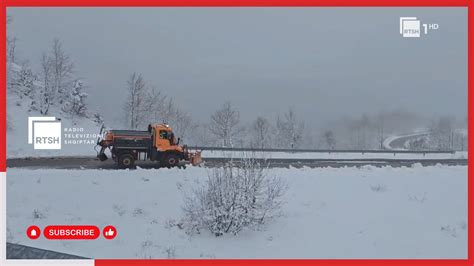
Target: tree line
[{"x": 146, "y": 104}]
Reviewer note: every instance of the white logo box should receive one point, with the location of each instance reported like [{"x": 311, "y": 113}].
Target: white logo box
[{"x": 47, "y": 135}]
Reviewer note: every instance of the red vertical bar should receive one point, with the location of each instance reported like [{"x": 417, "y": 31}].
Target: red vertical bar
[{"x": 3, "y": 87}]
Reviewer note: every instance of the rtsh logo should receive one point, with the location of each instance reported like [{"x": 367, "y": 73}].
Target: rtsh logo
[
  {"x": 411, "y": 27},
  {"x": 44, "y": 133}
]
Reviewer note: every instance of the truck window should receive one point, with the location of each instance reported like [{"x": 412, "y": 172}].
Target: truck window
[
  {"x": 163, "y": 134},
  {"x": 171, "y": 138}
]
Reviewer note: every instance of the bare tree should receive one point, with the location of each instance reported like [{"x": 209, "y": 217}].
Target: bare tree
[
  {"x": 363, "y": 125},
  {"x": 63, "y": 67},
  {"x": 329, "y": 139},
  {"x": 11, "y": 58},
  {"x": 46, "y": 95},
  {"x": 162, "y": 108},
  {"x": 155, "y": 102},
  {"x": 11, "y": 49},
  {"x": 380, "y": 128},
  {"x": 261, "y": 132},
  {"x": 11, "y": 44},
  {"x": 184, "y": 125},
  {"x": 358, "y": 130},
  {"x": 442, "y": 133},
  {"x": 136, "y": 100},
  {"x": 97, "y": 118},
  {"x": 224, "y": 124},
  {"x": 200, "y": 136},
  {"x": 180, "y": 120},
  {"x": 289, "y": 130},
  {"x": 462, "y": 141}
]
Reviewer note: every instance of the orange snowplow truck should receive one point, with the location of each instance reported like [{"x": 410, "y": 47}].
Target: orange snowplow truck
[{"x": 158, "y": 144}]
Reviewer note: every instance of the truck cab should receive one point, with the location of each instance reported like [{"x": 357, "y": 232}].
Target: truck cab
[{"x": 163, "y": 137}]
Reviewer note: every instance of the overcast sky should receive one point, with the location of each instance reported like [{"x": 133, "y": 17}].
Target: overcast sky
[{"x": 324, "y": 62}]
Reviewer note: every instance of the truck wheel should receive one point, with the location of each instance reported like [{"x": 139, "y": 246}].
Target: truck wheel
[
  {"x": 126, "y": 161},
  {"x": 171, "y": 160}
]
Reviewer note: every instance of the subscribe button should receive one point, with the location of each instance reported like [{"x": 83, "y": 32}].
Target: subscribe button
[{"x": 81, "y": 232}]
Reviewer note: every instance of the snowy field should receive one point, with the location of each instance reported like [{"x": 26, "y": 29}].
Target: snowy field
[{"x": 368, "y": 212}]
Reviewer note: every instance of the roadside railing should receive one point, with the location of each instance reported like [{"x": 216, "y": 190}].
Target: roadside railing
[{"x": 204, "y": 148}]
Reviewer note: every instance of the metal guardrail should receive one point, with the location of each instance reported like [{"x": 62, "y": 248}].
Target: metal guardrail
[
  {"x": 319, "y": 151},
  {"x": 316, "y": 163}
]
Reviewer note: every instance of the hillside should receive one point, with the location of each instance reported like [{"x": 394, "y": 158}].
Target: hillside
[{"x": 20, "y": 106}]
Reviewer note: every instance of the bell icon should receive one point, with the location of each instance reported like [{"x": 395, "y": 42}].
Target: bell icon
[{"x": 33, "y": 232}]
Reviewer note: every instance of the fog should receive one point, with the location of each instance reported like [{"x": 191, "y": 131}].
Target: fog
[{"x": 323, "y": 62}]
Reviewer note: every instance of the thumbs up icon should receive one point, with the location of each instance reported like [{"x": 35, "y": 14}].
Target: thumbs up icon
[{"x": 109, "y": 232}]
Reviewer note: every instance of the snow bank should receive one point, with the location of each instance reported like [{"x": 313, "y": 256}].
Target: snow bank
[{"x": 368, "y": 212}]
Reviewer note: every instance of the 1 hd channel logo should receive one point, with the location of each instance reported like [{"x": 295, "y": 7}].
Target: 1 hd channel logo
[
  {"x": 411, "y": 27},
  {"x": 44, "y": 133}
]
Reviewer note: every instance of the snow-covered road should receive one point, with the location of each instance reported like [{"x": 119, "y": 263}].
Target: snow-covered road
[
  {"x": 368, "y": 212},
  {"x": 396, "y": 142}
]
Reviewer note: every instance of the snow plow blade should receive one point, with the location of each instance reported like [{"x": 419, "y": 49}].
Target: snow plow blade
[
  {"x": 195, "y": 158},
  {"x": 101, "y": 154},
  {"x": 102, "y": 157}
]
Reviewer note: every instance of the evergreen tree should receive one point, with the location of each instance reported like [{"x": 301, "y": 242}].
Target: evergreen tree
[{"x": 75, "y": 103}]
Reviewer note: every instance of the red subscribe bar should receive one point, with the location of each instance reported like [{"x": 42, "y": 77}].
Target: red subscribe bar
[{"x": 71, "y": 232}]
